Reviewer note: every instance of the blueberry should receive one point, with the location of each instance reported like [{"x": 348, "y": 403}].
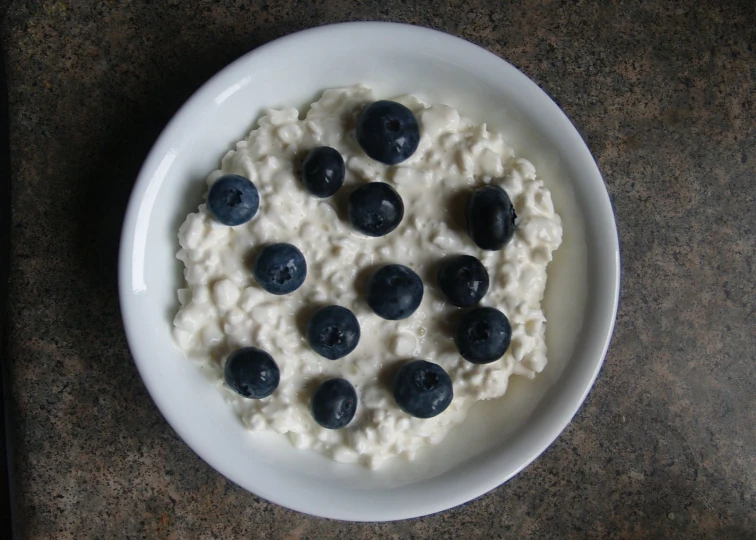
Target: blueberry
[
  {"x": 251, "y": 372},
  {"x": 375, "y": 209},
  {"x": 280, "y": 268},
  {"x": 323, "y": 171},
  {"x": 423, "y": 389},
  {"x": 490, "y": 217},
  {"x": 233, "y": 200},
  {"x": 483, "y": 335},
  {"x": 388, "y": 132},
  {"x": 394, "y": 292},
  {"x": 463, "y": 280},
  {"x": 334, "y": 403},
  {"x": 333, "y": 332}
]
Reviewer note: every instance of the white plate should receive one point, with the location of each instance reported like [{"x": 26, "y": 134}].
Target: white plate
[{"x": 501, "y": 437}]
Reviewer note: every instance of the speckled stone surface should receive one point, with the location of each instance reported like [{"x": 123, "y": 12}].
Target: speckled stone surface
[{"x": 663, "y": 92}]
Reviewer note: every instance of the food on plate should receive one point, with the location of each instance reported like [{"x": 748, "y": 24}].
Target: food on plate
[
  {"x": 334, "y": 403},
  {"x": 483, "y": 335},
  {"x": 463, "y": 280},
  {"x": 388, "y": 132},
  {"x": 280, "y": 268},
  {"x": 232, "y": 200},
  {"x": 333, "y": 332},
  {"x": 375, "y": 209},
  {"x": 394, "y": 292},
  {"x": 423, "y": 389},
  {"x": 390, "y": 256},
  {"x": 490, "y": 217},
  {"x": 323, "y": 171},
  {"x": 251, "y": 373}
]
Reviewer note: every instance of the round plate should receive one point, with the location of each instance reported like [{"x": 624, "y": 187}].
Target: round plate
[{"x": 502, "y": 436}]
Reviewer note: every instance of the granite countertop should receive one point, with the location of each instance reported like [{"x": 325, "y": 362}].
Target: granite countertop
[{"x": 663, "y": 93}]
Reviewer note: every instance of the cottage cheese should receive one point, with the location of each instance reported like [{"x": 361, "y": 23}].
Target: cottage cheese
[{"x": 223, "y": 309}]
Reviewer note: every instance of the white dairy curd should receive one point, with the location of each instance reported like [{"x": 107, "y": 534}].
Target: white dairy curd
[{"x": 222, "y": 308}]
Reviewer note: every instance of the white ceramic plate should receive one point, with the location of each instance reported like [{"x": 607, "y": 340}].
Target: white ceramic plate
[{"x": 500, "y": 437}]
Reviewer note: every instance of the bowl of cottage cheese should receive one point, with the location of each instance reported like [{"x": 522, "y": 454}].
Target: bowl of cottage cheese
[{"x": 369, "y": 282}]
